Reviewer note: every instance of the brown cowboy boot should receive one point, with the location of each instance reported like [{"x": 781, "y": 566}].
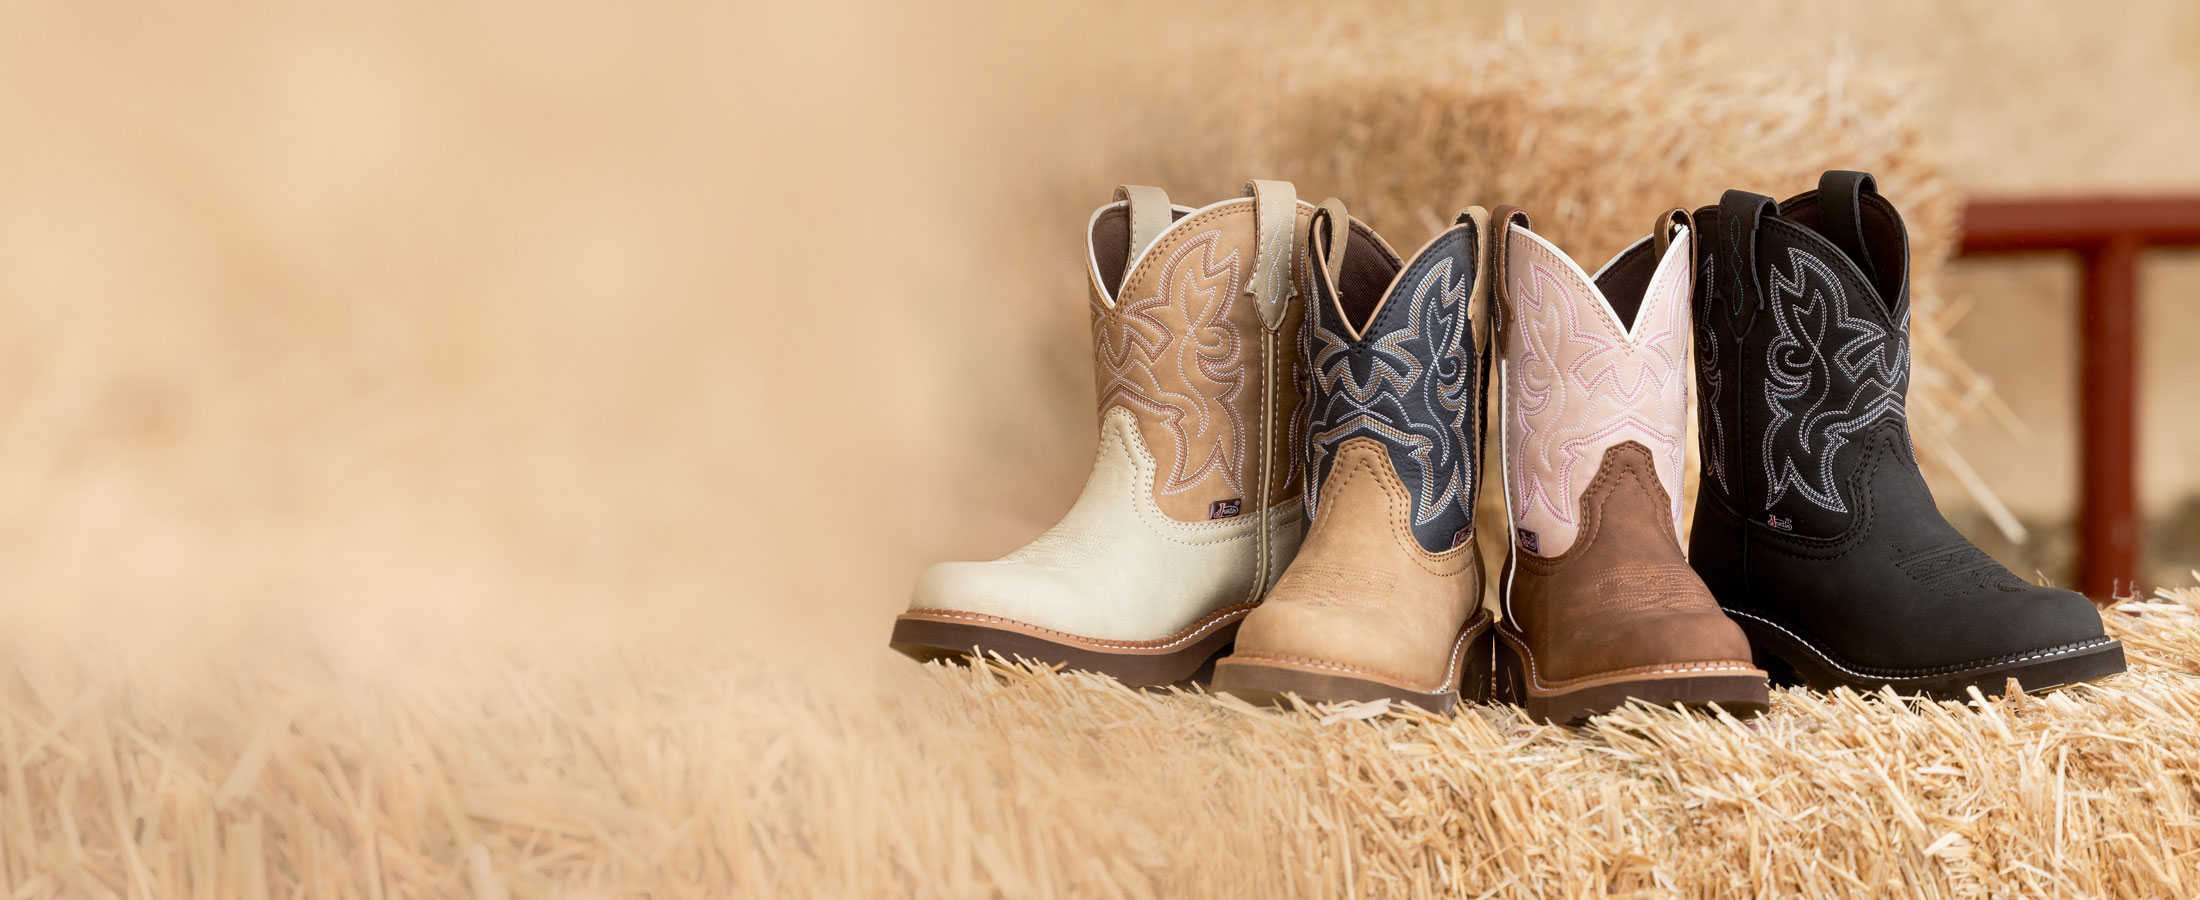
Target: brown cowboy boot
[{"x": 1600, "y": 605}]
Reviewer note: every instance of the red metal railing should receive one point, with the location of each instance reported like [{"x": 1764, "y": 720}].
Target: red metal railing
[{"x": 2107, "y": 235}]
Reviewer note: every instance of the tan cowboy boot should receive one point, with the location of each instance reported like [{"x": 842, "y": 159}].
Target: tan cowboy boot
[
  {"x": 1600, "y": 605},
  {"x": 1385, "y": 598},
  {"x": 1193, "y": 508}
]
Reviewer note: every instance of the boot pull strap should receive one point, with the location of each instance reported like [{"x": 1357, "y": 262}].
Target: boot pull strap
[
  {"x": 1669, "y": 222},
  {"x": 1507, "y": 217},
  {"x": 1275, "y": 219},
  {"x": 1150, "y": 215},
  {"x": 1841, "y": 214},
  {"x": 1479, "y": 327},
  {"x": 1331, "y": 234},
  {"x": 1740, "y": 214},
  {"x": 1478, "y": 306}
]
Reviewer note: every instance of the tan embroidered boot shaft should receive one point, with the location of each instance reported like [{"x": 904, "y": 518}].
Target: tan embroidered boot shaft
[
  {"x": 1192, "y": 509},
  {"x": 1384, "y": 601},
  {"x": 1600, "y": 606}
]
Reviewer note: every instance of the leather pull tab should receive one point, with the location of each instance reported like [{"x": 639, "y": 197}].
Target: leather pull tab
[
  {"x": 1505, "y": 219},
  {"x": 1275, "y": 224},
  {"x": 1331, "y": 235},
  {"x": 1478, "y": 306},
  {"x": 1841, "y": 214},
  {"x": 1740, "y": 214},
  {"x": 1669, "y": 223},
  {"x": 1150, "y": 215}
]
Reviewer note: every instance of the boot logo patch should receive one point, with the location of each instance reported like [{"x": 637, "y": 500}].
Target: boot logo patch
[
  {"x": 1779, "y": 523},
  {"x": 1829, "y": 374},
  {"x": 1459, "y": 538},
  {"x": 1223, "y": 509},
  {"x": 1528, "y": 541}
]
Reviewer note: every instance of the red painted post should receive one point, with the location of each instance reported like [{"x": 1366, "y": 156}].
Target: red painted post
[
  {"x": 2108, "y": 233},
  {"x": 2108, "y": 402}
]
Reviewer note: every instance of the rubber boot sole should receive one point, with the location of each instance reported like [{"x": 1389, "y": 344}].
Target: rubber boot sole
[
  {"x": 2035, "y": 670},
  {"x": 949, "y": 634},
  {"x": 1270, "y": 681},
  {"x": 1735, "y": 688}
]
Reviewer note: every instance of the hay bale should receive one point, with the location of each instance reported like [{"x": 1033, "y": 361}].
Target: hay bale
[{"x": 618, "y": 764}]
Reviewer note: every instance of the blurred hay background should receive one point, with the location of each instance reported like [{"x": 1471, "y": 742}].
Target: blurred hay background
[
  {"x": 453, "y": 450},
  {"x": 563, "y": 769}
]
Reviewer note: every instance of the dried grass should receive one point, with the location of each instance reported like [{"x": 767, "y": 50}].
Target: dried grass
[{"x": 608, "y": 767}]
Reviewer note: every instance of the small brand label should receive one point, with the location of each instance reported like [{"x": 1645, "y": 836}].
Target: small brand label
[
  {"x": 1222, "y": 509},
  {"x": 1459, "y": 538},
  {"x": 1775, "y": 521},
  {"x": 1528, "y": 541}
]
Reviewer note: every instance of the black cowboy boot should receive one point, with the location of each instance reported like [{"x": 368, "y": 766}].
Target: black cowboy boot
[{"x": 1813, "y": 525}]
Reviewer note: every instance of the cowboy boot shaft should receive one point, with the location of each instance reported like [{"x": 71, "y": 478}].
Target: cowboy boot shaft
[
  {"x": 1803, "y": 358},
  {"x": 1583, "y": 380},
  {"x": 1399, "y": 367},
  {"x": 1182, "y": 341}
]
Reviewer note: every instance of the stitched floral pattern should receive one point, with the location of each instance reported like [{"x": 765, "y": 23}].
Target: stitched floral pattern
[
  {"x": 1582, "y": 384},
  {"x": 1411, "y": 387},
  {"x": 1714, "y": 389},
  {"x": 1174, "y": 357},
  {"x": 1829, "y": 374}
]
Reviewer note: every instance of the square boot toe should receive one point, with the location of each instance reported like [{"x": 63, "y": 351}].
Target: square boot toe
[
  {"x": 1363, "y": 638},
  {"x": 1671, "y": 640},
  {"x": 1001, "y": 588}
]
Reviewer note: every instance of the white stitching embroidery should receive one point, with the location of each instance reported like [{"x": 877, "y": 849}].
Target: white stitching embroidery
[
  {"x": 1828, "y": 660},
  {"x": 1800, "y": 386}
]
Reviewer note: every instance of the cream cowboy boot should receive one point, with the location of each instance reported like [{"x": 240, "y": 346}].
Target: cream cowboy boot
[{"x": 1192, "y": 509}]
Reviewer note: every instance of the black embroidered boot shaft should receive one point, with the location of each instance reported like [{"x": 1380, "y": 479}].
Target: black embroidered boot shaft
[{"x": 1813, "y": 526}]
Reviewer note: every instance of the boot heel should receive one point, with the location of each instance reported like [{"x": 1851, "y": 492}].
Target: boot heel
[
  {"x": 1509, "y": 681},
  {"x": 1477, "y": 677},
  {"x": 1770, "y": 656}
]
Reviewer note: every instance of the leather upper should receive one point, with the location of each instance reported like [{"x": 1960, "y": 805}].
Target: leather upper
[
  {"x": 1622, "y": 598},
  {"x": 1812, "y": 515},
  {"x": 1363, "y": 597},
  {"x": 1116, "y": 568},
  {"x": 1182, "y": 346},
  {"x": 1583, "y": 381},
  {"x": 1408, "y": 379}
]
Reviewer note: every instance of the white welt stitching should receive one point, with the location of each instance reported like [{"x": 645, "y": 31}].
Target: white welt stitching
[
  {"x": 1813, "y": 648},
  {"x": 1537, "y": 679}
]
